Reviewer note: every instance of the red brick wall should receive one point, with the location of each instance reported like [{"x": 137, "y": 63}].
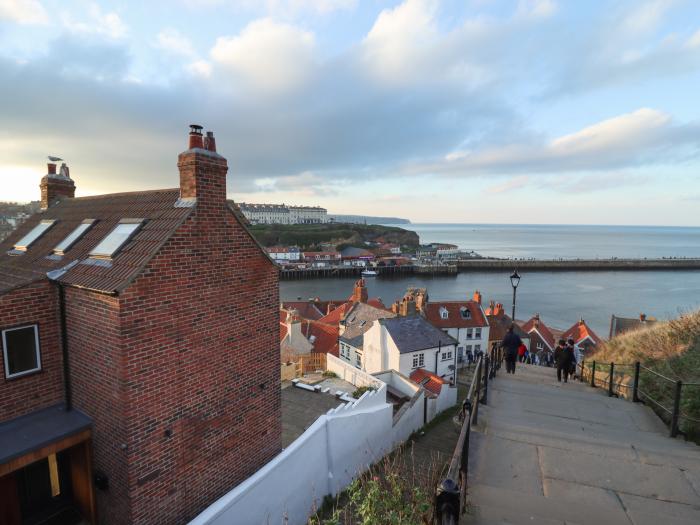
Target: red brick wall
[
  {"x": 34, "y": 304},
  {"x": 97, "y": 370},
  {"x": 200, "y": 338}
]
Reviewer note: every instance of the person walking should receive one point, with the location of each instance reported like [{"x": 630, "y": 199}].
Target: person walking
[
  {"x": 511, "y": 345},
  {"x": 574, "y": 357},
  {"x": 522, "y": 352},
  {"x": 562, "y": 358}
]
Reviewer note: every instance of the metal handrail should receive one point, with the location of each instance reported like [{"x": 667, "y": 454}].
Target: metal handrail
[
  {"x": 658, "y": 374},
  {"x": 451, "y": 494}
]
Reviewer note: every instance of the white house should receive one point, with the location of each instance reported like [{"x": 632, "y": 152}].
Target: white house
[
  {"x": 284, "y": 253},
  {"x": 463, "y": 320}
]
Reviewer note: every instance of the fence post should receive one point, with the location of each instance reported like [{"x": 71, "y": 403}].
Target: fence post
[
  {"x": 484, "y": 399},
  {"x": 610, "y": 379},
  {"x": 676, "y": 409},
  {"x": 593, "y": 375},
  {"x": 478, "y": 373},
  {"x": 583, "y": 367},
  {"x": 635, "y": 386}
]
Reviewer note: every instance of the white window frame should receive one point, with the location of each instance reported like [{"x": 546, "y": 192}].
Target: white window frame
[
  {"x": 477, "y": 348},
  {"x": 418, "y": 360},
  {"x": 470, "y": 333},
  {"x": 37, "y": 349},
  {"x": 477, "y": 333},
  {"x": 34, "y": 235},
  {"x": 540, "y": 346}
]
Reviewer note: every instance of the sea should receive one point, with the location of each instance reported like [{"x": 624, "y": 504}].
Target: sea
[{"x": 561, "y": 298}]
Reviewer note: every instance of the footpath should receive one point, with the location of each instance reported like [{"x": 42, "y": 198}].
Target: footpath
[{"x": 552, "y": 453}]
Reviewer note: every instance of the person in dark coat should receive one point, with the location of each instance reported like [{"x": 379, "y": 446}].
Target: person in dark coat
[
  {"x": 571, "y": 344},
  {"x": 511, "y": 342},
  {"x": 563, "y": 356}
]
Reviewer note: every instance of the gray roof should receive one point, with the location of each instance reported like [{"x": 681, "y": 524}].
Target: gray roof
[
  {"x": 356, "y": 342},
  {"x": 33, "y": 431},
  {"x": 413, "y": 333},
  {"x": 619, "y": 325},
  {"x": 360, "y": 317}
]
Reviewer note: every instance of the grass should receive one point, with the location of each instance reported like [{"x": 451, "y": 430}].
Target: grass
[{"x": 671, "y": 348}]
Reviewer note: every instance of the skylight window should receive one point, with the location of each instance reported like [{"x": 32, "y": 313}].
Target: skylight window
[
  {"x": 38, "y": 230},
  {"x": 63, "y": 246},
  {"x": 121, "y": 233}
]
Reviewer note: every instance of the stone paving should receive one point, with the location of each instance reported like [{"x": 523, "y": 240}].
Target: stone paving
[
  {"x": 548, "y": 452},
  {"x": 300, "y": 408}
]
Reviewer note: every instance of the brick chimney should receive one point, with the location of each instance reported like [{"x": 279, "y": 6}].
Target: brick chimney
[
  {"x": 407, "y": 306},
  {"x": 359, "y": 292},
  {"x": 202, "y": 172},
  {"x": 56, "y": 186},
  {"x": 498, "y": 310},
  {"x": 642, "y": 317},
  {"x": 537, "y": 319},
  {"x": 477, "y": 297}
]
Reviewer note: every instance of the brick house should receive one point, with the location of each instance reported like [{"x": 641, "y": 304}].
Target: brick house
[
  {"x": 140, "y": 374},
  {"x": 585, "y": 339},
  {"x": 542, "y": 340},
  {"x": 499, "y": 322}
]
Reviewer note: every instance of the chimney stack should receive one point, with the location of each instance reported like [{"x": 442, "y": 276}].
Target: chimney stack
[
  {"x": 477, "y": 297},
  {"x": 56, "y": 186},
  {"x": 202, "y": 172},
  {"x": 359, "y": 293},
  {"x": 642, "y": 317}
]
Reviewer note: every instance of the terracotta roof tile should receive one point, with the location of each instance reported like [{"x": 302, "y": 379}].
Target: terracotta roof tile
[
  {"x": 325, "y": 336},
  {"x": 536, "y": 324},
  {"x": 580, "y": 331},
  {"x": 157, "y": 208},
  {"x": 455, "y": 319},
  {"x": 431, "y": 382}
]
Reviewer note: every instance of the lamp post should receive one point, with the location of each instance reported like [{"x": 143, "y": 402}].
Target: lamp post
[{"x": 514, "y": 281}]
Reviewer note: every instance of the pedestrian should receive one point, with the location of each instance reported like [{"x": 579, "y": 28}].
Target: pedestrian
[
  {"x": 574, "y": 356},
  {"x": 522, "y": 352},
  {"x": 563, "y": 356},
  {"x": 511, "y": 344}
]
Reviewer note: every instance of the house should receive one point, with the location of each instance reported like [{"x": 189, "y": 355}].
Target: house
[
  {"x": 322, "y": 259},
  {"x": 499, "y": 323},
  {"x": 405, "y": 343},
  {"x": 463, "y": 320},
  {"x": 620, "y": 325},
  {"x": 356, "y": 256},
  {"x": 392, "y": 248},
  {"x": 542, "y": 340},
  {"x": 284, "y": 254},
  {"x": 358, "y": 319},
  {"x": 585, "y": 339},
  {"x": 140, "y": 370}
]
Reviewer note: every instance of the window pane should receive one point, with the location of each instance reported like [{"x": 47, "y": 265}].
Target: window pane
[
  {"x": 20, "y": 350},
  {"x": 115, "y": 239},
  {"x": 72, "y": 237},
  {"x": 33, "y": 235}
]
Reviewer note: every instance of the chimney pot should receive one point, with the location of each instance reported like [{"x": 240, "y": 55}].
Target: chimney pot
[
  {"x": 210, "y": 142},
  {"x": 196, "y": 137},
  {"x": 52, "y": 168},
  {"x": 202, "y": 175}
]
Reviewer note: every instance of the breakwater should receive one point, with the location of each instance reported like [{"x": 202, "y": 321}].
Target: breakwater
[{"x": 576, "y": 265}]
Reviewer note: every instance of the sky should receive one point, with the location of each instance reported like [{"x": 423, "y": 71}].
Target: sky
[{"x": 476, "y": 111}]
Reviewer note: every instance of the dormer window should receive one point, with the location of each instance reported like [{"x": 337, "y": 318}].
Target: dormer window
[
  {"x": 36, "y": 232},
  {"x": 466, "y": 313},
  {"x": 115, "y": 239},
  {"x": 73, "y": 237},
  {"x": 444, "y": 314}
]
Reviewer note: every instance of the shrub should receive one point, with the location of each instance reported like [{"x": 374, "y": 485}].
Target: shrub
[
  {"x": 361, "y": 390},
  {"x": 329, "y": 373}
]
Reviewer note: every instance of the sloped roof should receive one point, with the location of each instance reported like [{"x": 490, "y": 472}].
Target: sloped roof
[
  {"x": 325, "y": 336},
  {"x": 431, "y": 382},
  {"x": 579, "y": 331},
  {"x": 455, "y": 319},
  {"x": 351, "y": 251},
  {"x": 414, "y": 333},
  {"x": 620, "y": 325},
  {"x": 360, "y": 317},
  {"x": 536, "y": 324},
  {"x": 306, "y": 309},
  {"x": 498, "y": 326},
  {"x": 161, "y": 219}
]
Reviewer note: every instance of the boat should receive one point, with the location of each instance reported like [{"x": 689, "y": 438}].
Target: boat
[{"x": 369, "y": 273}]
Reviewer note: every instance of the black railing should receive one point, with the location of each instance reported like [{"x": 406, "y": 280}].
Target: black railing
[
  {"x": 663, "y": 393},
  {"x": 451, "y": 494}
]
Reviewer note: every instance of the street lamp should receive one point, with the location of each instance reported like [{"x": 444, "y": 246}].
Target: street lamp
[{"x": 514, "y": 281}]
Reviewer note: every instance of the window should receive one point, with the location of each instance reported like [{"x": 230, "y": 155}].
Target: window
[
  {"x": 446, "y": 356},
  {"x": 466, "y": 314},
  {"x": 65, "y": 245},
  {"x": 36, "y": 232},
  {"x": 115, "y": 239},
  {"x": 477, "y": 348},
  {"x": 469, "y": 348},
  {"x": 418, "y": 360},
  {"x": 540, "y": 346},
  {"x": 358, "y": 360},
  {"x": 470, "y": 333},
  {"x": 21, "y": 351},
  {"x": 444, "y": 314},
  {"x": 477, "y": 333}
]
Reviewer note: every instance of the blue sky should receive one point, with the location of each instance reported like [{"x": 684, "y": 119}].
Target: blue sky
[{"x": 498, "y": 111}]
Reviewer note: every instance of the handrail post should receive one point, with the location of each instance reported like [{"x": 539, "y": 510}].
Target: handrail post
[
  {"x": 478, "y": 390},
  {"x": 583, "y": 367},
  {"x": 676, "y": 409},
  {"x": 610, "y": 379},
  {"x": 484, "y": 398},
  {"x": 593, "y": 375},
  {"x": 635, "y": 387}
]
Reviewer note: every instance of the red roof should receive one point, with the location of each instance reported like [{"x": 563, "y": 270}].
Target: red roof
[
  {"x": 455, "y": 319},
  {"x": 306, "y": 309},
  {"x": 580, "y": 331},
  {"x": 536, "y": 324},
  {"x": 325, "y": 336},
  {"x": 431, "y": 382},
  {"x": 334, "y": 316}
]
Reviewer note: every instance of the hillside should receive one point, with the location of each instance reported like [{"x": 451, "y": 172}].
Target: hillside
[
  {"x": 671, "y": 348},
  {"x": 310, "y": 236}
]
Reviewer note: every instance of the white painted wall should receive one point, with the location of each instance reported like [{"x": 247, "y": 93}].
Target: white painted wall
[
  {"x": 446, "y": 399},
  {"x": 409, "y": 418},
  {"x": 347, "y": 372}
]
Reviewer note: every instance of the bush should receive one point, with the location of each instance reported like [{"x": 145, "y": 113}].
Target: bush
[
  {"x": 361, "y": 390},
  {"x": 329, "y": 373}
]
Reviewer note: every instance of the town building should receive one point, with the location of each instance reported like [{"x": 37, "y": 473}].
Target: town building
[
  {"x": 585, "y": 339},
  {"x": 284, "y": 254},
  {"x": 322, "y": 259},
  {"x": 499, "y": 323},
  {"x": 542, "y": 340},
  {"x": 140, "y": 366},
  {"x": 463, "y": 320},
  {"x": 283, "y": 214},
  {"x": 620, "y": 325}
]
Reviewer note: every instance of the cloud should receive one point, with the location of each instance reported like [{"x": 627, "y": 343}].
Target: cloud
[
  {"x": 267, "y": 55},
  {"x": 280, "y": 8},
  {"x": 510, "y": 185},
  {"x": 109, "y": 25},
  {"x": 23, "y": 12},
  {"x": 172, "y": 41},
  {"x": 645, "y": 136},
  {"x": 536, "y": 8}
]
